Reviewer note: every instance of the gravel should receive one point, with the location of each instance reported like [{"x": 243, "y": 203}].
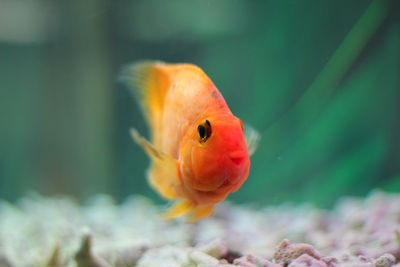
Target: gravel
[{"x": 58, "y": 231}]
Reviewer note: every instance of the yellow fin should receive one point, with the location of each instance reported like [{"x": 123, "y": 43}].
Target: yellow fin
[
  {"x": 178, "y": 209},
  {"x": 200, "y": 212},
  {"x": 163, "y": 174},
  {"x": 158, "y": 179},
  {"x": 185, "y": 207},
  {"x": 149, "y": 82},
  {"x": 252, "y": 138}
]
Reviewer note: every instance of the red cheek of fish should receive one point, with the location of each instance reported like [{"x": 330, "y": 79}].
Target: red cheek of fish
[
  {"x": 220, "y": 180},
  {"x": 207, "y": 169},
  {"x": 232, "y": 179},
  {"x": 220, "y": 168}
]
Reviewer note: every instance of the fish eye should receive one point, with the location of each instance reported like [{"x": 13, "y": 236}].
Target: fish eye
[{"x": 204, "y": 131}]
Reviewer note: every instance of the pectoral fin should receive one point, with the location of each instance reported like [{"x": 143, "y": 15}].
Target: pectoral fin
[
  {"x": 252, "y": 138},
  {"x": 163, "y": 173}
]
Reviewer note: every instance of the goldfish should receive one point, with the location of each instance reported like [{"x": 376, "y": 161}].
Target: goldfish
[{"x": 199, "y": 150}]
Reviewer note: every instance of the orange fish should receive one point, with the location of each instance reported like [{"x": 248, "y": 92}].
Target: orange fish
[{"x": 198, "y": 149}]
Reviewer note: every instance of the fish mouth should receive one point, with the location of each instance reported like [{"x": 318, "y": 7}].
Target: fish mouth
[{"x": 237, "y": 157}]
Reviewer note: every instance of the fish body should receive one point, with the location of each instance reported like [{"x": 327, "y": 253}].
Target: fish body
[{"x": 197, "y": 146}]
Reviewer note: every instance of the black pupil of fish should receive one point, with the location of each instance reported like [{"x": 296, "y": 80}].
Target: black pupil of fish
[{"x": 204, "y": 130}]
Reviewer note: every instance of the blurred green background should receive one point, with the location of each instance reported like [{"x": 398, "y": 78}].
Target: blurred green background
[{"x": 318, "y": 79}]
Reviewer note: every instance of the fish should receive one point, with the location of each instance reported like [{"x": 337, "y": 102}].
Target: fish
[{"x": 199, "y": 151}]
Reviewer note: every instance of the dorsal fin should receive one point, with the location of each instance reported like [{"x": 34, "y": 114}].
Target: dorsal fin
[{"x": 149, "y": 83}]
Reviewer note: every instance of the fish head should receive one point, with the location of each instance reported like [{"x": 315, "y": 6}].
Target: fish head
[{"x": 214, "y": 156}]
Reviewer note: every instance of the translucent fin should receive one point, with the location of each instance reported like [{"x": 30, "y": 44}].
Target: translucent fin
[
  {"x": 160, "y": 182},
  {"x": 252, "y": 138},
  {"x": 178, "y": 209},
  {"x": 200, "y": 212},
  {"x": 163, "y": 173},
  {"x": 149, "y": 82}
]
